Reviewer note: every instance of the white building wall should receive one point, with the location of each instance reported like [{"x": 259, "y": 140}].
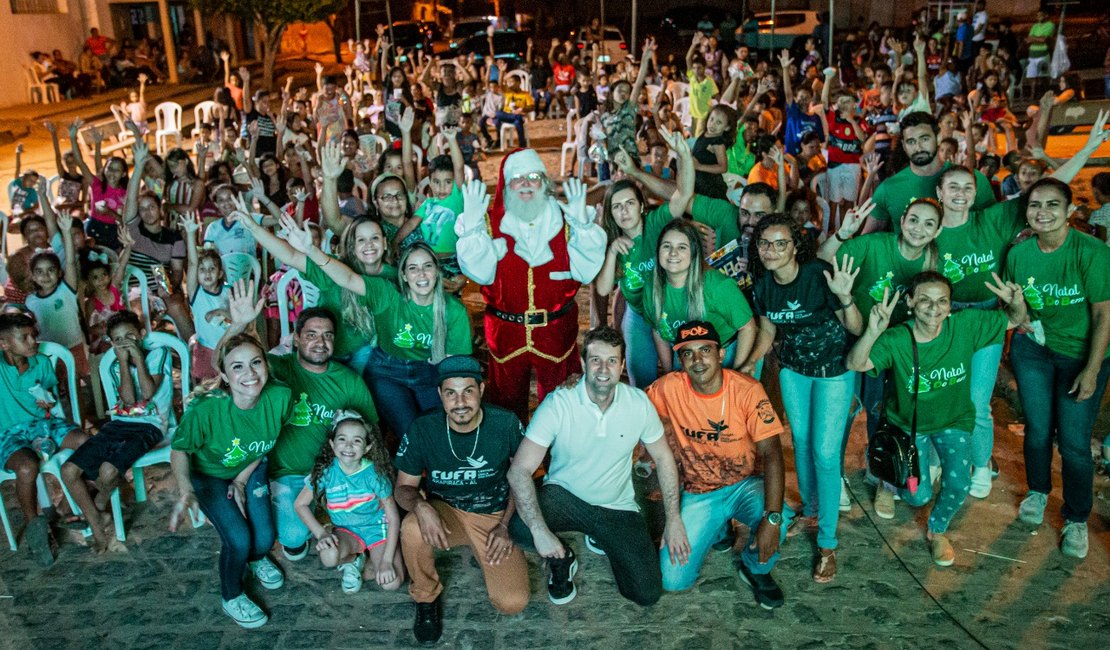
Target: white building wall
[{"x": 26, "y": 33}]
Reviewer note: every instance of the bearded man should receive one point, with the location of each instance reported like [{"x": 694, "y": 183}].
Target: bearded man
[{"x": 530, "y": 253}]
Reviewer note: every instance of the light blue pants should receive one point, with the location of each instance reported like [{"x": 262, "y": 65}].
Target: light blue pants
[
  {"x": 641, "y": 356},
  {"x": 817, "y": 408},
  {"x": 984, "y": 374},
  {"x": 291, "y": 531},
  {"x": 953, "y": 446},
  {"x": 705, "y": 515}
]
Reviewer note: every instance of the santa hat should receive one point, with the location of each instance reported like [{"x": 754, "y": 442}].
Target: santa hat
[{"x": 521, "y": 162}]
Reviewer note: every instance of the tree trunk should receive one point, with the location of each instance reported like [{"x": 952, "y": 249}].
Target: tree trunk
[
  {"x": 332, "y": 22},
  {"x": 269, "y": 53}
]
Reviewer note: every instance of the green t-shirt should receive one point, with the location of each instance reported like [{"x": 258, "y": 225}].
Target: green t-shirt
[
  {"x": 1061, "y": 286},
  {"x": 222, "y": 439},
  {"x": 405, "y": 328},
  {"x": 944, "y": 392},
  {"x": 1040, "y": 30},
  {"x": 969, "y": 254},
  {"x": 635, "y": 268},
  {"x": 438, "y": 225},
  {"x": 347, "y": 338},
  {"x": 316, "y": 397},
  {"x": 895, "y": 193},
  {"x": 740, "y": 158},
  {"x": 720, "y": 215},
  {"x": 881, "y": 266},
  {"x": 725, "y": 306}
]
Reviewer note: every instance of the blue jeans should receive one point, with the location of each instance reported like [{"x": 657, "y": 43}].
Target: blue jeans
[
  {"x": 245, "y": 539},
  {"x": 543, "y": 94},
  {"x": 403, "y": 388},
  {"x": 984, "y": 374},
  {"x": 641, "y": 356},
  {"x": 291, "y": 531},
  {"x": 359, "y": 359},
  {"x": 706, "y": 515},
  {"x": 817, "y": 408},
  {"x": 515, "y": 120},
  {"x": 1044, "y": 378},
  {"x": 954, "y": 448}
]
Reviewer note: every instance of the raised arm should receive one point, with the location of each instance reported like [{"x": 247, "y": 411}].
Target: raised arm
[
  {"x": 332, "y": 164},
  {"x": 300, "y": 239},
  {"x": 694, "y": 43},
  {"x": 645, "y": 61},
  {"x": 458, "y": 163},
  {"x": 75, "y": 149},
  {"x": 785, "y": 60},
  {"x": 1099, "y": 134},
  {"x": 408, "y": 169},
  {"x": 859, "y": 357},
  {"x": 245, "y": 77},
  {"x": 853, "y": 221},
  {"x": 140, "y": 151},
  {"x": 189, "y": 223},
  {"x": 922, "y": 69},
  {"x": 65, "y": 223}
]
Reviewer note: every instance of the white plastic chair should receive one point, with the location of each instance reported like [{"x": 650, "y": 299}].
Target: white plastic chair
[
  {"x": 134, "y": 273},
  {"x": 682, "y": 109},
  {"x": 360, "y": 190},
  {"x": 125, "y": 135},
  {"x": 160, "y": 454},
  {"x": 325, "y": 241},
  {"x": 653, "y": 92},
  {"x": 677, "y": 90},
  {"x": 202, "y": 114},
  {"x": 167, "y": 117},
  {"x": 4, "y": 235},
  {"x": 45, "y": 92},
  {"x": 376, "y": 143},
  {"x": 239, "y": 265},
  {"x": 569, "y": 145},
  {"x": 506, "y": 133},
  {"x": 310, "y": 297},
  {"x": 525, "y": 82}
]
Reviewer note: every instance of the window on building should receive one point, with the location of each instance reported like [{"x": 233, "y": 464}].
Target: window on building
[{"x": 38, "y": 6}]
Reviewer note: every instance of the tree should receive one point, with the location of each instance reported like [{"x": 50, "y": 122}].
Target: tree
[{"x": 273, "y": 16}]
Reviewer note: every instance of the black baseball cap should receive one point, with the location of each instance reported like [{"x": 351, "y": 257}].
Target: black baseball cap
[
  {"x": 696, "y": 331},
  {"x": 459, "y": 365}
]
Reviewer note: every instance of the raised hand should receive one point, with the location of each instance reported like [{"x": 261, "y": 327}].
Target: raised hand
[
  {"x": 785, "y": 59},
  {"x": 843, "y": 277},
  {"x": 649, "y": 48},
  {"x": 241, "y": 305},
  {"x": 1048, "y": 100},
  {"x": 1008, "y": 292},
  {"x": 49, "y": 126},
  {"x": 575, "y": 192},
  {"x": 871, "y": 163},
  {"x": 332, "y": 162},
  {"x": 257, "y": 190},
  {"x": 300, "y": 195},
  {"x": 475, "y": 206},
  {"x": 244, "y": 74},
  {"x": 75, "y": 126},
  {"x": 918, "y": 44},
  {"x": 854, "y": 219},
  {"x": 1099, "y": 132},
  {"x": 140, "y": 152},
  {"x": 776, "y": 155},
  {"x": 299, "y": 238},
  {"x": 408, "y": 117},
  {"x": 449, "y": 132},
  {"x": 224, "y": 56},
  {"x": 319, "y": 68},
  {"x": 623, "y": 161},
  {"x": 97, "y": 135},
  {"x": 143, "y": 78},
  {"x": 189, "y": 222},
  {"x": 124, "y": 236},
  {"x": 879, "y": 317}
]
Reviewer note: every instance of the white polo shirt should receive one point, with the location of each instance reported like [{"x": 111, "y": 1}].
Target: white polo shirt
[{"x": 591, "y": 451}]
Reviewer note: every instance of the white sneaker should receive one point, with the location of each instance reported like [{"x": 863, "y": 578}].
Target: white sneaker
[
  {"x": 1032, "y": 507},
  {"x": 845, "y": 501},
  {"x": 980, "y": 482},
  {"x": 244, "y": 612},
  {"x": 268, "y": 574},
  {"x": 1075, "y": 539},
  {"x": 352, "y": 575}
]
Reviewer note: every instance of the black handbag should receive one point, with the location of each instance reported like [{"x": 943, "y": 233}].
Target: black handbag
[{"x": 892, "y": 453}]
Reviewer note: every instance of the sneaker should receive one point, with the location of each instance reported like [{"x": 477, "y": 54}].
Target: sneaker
[
  {"x": 884, "y": 503},
  {"x": 826, "y": 566},
  {"x": 428, "y": 627},
  {"x": 1075, "y": 539},
  {"x": 244, "y": 612},
  {"x": 767, "y": 592},
  {"x": 592, "y": 545},
  {"x": 295, "y": 554},
  {"x": 268, "y": 573},
  {"x": 352, "y": 575},
  {"x": 980, "y": 482},
  {"x": 560, "y": 585},
  {"x": 941, "y": 548},
  {"x": 1032, "y": 506},
  {"x": 40, "y": 540},
  {"x": 994, "y": 468},
  {"x": 845, "y": 500}
]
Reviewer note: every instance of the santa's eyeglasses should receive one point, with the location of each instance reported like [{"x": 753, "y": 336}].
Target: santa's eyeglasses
[{"x": 534, "y": 179}]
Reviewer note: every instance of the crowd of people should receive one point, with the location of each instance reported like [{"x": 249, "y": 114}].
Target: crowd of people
[{"x": 843, "y": 227}]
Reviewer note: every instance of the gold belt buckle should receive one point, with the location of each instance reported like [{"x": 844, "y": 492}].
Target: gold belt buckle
[{"x": 530, "y": 312}]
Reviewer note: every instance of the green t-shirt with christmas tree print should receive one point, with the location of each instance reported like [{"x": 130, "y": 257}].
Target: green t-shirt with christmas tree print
[
  {"x": 347, "y": 338},
  {"x": 222, "y": 439},
  {"x": 970, "y": 253},
  {"x": 894, "y": 194},
  {"x": 1060, "y": 287},
  {"x": 405, "y": 328},
  {"x": 881, "y": 266},
  {"x": 944, "y": 391},
  {"x": 720, "y": 215},
  {"x": 725, "y": 306},
  {"x": 634, "y": 269},
  {"x": 316, "y": 397}
]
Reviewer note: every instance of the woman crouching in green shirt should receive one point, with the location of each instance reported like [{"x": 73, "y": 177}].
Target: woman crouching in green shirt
[
  {"x": 418, "y": 325},
  {"x": 219, "y": 460},
  {"x": 945, "y": 343}
]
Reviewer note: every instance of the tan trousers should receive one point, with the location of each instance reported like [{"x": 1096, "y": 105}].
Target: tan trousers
[{"x": 506, "y": 583}]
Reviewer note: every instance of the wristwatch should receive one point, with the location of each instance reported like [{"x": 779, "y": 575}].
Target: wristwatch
[{"x": 773, "y": 518}]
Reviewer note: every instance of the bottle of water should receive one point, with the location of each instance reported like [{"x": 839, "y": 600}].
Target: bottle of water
[{"x": 44, "y": 447}]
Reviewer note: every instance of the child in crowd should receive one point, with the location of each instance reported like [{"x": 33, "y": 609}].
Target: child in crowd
[
  {"x": 352, "y": 479},
  {"x": 702, "y": 87},
  {"x": 101, "y": 290},
  {"x": 142, "y": 378},
  {"x": 710, "y": 152},
  {"x": 1100, "y": 220},
  {"x": 135, "y": 106},
  {"x": 54, "y": 300},
  {"x": 208, "y": 292}
]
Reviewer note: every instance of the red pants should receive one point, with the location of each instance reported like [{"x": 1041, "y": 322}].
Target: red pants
[{"x": 509, "y": 382}]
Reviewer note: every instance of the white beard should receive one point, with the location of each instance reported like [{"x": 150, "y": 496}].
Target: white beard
[
  {"x": 526, "y": 211},
  {"x": 531, "y": 224}
]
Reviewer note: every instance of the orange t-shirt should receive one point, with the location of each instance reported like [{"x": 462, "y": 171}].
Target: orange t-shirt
[
  {"x": 714, "y": 437},
  {"x": 760, "y": 174}
]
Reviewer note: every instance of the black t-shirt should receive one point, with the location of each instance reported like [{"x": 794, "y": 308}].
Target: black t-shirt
[
  {"x": 812, "y": 340},
  {"x": 586, "y": 101},
  {"x": 267, "y": 133},
  {"x": 467, "y": 470}
]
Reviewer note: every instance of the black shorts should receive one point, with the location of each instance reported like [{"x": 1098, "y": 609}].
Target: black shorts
[{"x": 118, "y": 443}]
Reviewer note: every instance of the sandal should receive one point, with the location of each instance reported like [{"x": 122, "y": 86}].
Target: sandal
[
  {"x": 72, "y": 522},
  {"x": 826, "y": 566}
]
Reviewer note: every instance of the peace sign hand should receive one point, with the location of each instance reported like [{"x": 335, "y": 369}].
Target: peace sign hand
[
  {"x": 879, "y": 318},
  {"x": 854, "y": 219}
]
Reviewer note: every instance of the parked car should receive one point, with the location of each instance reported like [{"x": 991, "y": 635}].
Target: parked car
[
  {"x": 791, "y": 29},
  {"x": 614, "y": 49},
  {"x": 460, "y": 31},
  {"x": 414, "y": 35},
  {"x": 508, "y": 44}
]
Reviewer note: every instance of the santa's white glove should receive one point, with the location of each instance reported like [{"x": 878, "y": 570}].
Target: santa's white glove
[
  {"x": 475, "y": 206},
  {"x": 575, "y": 211}
]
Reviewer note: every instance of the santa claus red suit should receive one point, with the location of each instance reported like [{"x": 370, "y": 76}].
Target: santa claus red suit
[{"x": 530, "y": 253}]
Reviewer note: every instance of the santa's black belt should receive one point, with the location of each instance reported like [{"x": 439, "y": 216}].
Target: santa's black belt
[{"x": 532, "y": 316}]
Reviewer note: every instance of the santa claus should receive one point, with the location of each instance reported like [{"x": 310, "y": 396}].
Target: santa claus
[{"x": 530, "y": 253}]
